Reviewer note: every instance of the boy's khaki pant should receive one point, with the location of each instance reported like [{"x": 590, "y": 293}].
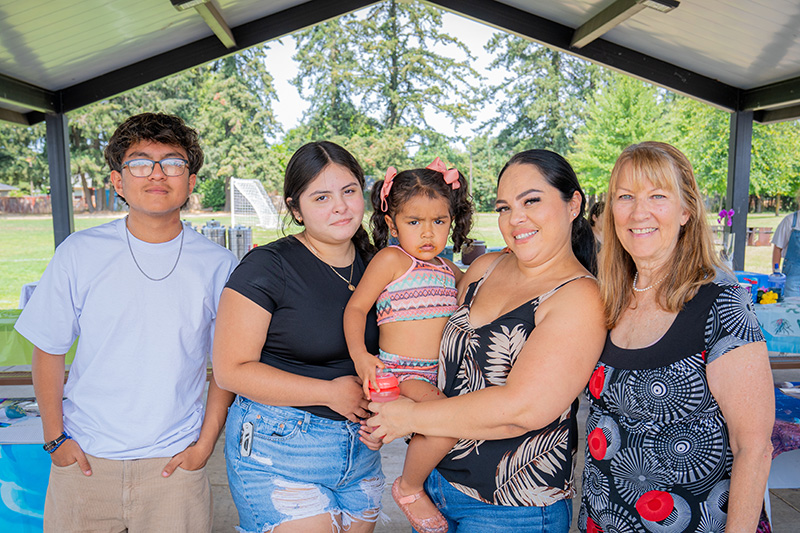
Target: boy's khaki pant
[{"x": 127, "y": 495}]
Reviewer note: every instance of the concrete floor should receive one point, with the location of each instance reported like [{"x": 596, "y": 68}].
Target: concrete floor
[{"x": 785, "y": 502}]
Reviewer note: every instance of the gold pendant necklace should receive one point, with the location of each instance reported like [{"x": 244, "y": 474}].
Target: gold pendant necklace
[{"x": 348, "y": 281}]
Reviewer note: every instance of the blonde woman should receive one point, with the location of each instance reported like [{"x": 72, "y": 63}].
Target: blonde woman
[{"x": 681, "y": 402}]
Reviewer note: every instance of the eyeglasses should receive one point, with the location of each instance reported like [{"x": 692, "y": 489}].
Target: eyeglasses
[{"x": 142, "y": 168}]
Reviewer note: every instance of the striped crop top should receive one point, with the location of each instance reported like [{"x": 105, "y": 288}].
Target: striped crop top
[{"x": 424, "y": 291}]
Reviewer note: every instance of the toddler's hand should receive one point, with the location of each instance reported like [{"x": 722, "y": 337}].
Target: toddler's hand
[{"x": 366, "y": 368}]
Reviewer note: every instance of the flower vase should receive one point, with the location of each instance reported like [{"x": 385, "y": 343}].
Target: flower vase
[{"x": 726, "y": 248}]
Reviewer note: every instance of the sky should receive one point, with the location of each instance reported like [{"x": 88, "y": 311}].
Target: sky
[{"x": 290, "y": 106}]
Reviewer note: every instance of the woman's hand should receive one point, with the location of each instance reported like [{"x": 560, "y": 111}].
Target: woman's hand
[
  {"x": 365, "y": 436},
  {"x": 347, "y": 398},
  {"x": 392, "y": 420},
  {"x": 366, "y": 368}
]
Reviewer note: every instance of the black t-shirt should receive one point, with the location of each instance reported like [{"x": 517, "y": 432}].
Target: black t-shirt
[{"x": 307, "y": 301}]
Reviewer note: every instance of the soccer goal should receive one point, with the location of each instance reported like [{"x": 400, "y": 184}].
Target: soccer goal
[{"x": 250, "y": 205}]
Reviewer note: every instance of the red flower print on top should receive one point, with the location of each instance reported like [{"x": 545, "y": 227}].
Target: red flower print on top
[
  {"x": 597, "y": 444},
  {"x": 655, "y": 505},
  {"x": 591, "y": 527},
  {"x": 597, "y": 381}
]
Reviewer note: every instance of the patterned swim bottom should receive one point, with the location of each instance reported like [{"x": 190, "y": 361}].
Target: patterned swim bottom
[{"x": 410, "y": 368}]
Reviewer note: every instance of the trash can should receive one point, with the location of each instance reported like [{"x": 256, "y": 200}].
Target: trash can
[
  {"x": 240, "y": 240},
  {"x": 215, "y": 232},
  {"x": 764, "y": 236},
  {"x": 473, "y": 251}
]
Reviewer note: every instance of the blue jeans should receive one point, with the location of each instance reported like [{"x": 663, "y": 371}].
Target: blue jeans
[
  {"x": 299, "y": 465},
  {"x": 465, "y": 514}
]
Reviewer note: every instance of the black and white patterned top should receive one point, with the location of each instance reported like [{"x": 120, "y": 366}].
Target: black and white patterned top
[
  {"x": 534, "y": 469},
  {"x": 657, "y": 455}
]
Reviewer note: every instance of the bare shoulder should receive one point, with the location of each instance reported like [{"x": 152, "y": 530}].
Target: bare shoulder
[
  {"x": 456, "y": 271},
  {"x": 580, "y": 298},
  {"x": 579, "y": 287},
  {"x": 478, "y": 268},
  {"x": 480, "y": 265},
  {"x": 391, "y": 258}
]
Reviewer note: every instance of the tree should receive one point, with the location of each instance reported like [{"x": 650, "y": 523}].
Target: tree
[
  {"x": 701, "y": 133},
  {"x": 23, "y": 160},
  {"x": 774, "y": 170},
  {"x": 228, "y": 102},
  {"x": 328, "y": 77},
  {"x": 234, "y": 117},
  {"x": 623, "y": 112},
  {"x": 383, "y": 65},
  {"x": 541, "y": 102}
]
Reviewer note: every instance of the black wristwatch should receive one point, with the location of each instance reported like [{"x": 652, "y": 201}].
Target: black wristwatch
[{"x": 53, "y": 445}]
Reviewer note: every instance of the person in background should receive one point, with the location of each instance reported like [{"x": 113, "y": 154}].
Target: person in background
[
  {"x": 596, "y": 222},
  {"x": 514, "y": 358},
  {"x": 129, "y": 442},
  {"x": 786, "y": 245},
  {"x": 681, "y": 404},
  {"x": 297, "y": 457}
]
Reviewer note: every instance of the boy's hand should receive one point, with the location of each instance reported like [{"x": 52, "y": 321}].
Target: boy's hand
[
  {"x": 70, "y": 452},
  {"x": 194, "y": 457}
]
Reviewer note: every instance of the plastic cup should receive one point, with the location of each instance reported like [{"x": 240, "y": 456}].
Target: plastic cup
[{"x": 388, "y": 388}]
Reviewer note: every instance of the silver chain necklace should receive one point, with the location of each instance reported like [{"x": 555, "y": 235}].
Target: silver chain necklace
[
  {"x": 636, "y": 278},
  {"x": 135, "y": 262}
]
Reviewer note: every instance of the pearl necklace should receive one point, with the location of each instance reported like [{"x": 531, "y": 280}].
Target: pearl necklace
[
  {"x": 349, "y": 282},
  {"x": 135, "y": 262},
  {"x": 636, "y": 278}
]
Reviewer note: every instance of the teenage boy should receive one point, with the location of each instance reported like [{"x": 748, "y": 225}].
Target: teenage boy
[{"x": 130, "y": 442}]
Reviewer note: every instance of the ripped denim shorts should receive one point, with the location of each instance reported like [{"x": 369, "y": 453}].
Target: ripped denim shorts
[{"x": 286, "y": 464}]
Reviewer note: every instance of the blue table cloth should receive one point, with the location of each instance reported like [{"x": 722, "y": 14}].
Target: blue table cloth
[{"x": 780, "y": 323}]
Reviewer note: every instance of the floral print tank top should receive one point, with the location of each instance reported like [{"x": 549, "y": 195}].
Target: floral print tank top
[{"x": 534, "y": 469}]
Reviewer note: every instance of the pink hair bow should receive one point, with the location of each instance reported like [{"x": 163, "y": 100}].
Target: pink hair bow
[
  {"x": 388, "y": 179},
  {"x": 450, "y": 176},
  {"x": 727, "y": 216}
]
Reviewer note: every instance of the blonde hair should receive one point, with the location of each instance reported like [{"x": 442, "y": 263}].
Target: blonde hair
[{"x": 693, "y": 262}]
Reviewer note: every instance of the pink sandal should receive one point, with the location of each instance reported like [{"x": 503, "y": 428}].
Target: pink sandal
[{"x": 434, "y": 524}]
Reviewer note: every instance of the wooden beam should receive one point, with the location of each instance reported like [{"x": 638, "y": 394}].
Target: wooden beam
[
  {"x": 25, "y": 95},
  {"x": 214, "y": 20},
  {"x": 600, "y": 24},
  {"x": 771, "y": 116},
  {"x": 60, "y": 176},
  {"x": 738, "y": 191},
  {"x": 12, "y": 116},
  {"x": 205, "y": 50},
  {"x": 782, "y": 93}
]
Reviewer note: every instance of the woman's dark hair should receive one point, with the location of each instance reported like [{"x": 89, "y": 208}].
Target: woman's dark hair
[
  {"x": 595, "y": 211},
  {"x": 305, "y": 165},
  {"x": 559, "y": 174},
  {"x": 422, "y": 182}
]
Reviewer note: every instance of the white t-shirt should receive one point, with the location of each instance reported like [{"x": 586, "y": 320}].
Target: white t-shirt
[
  {"x": 782, "y": 233},
  {"x": 135, "y": 388}
]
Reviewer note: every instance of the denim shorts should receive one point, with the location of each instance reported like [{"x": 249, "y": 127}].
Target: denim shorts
[
  {"x": 298, "y": 465},
  {"x": 465, "y": 514}
]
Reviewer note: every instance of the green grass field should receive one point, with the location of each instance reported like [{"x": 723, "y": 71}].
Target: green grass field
[{"x": 26, "y": 244}]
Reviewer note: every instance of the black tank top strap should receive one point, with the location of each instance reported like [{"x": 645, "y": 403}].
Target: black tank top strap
[
  {"x": 549, "y": 293},
  {"x": 472, "y": 290}
]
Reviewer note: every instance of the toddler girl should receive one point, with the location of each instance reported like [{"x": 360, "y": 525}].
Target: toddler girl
[{"x": 414, "y": 291}]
